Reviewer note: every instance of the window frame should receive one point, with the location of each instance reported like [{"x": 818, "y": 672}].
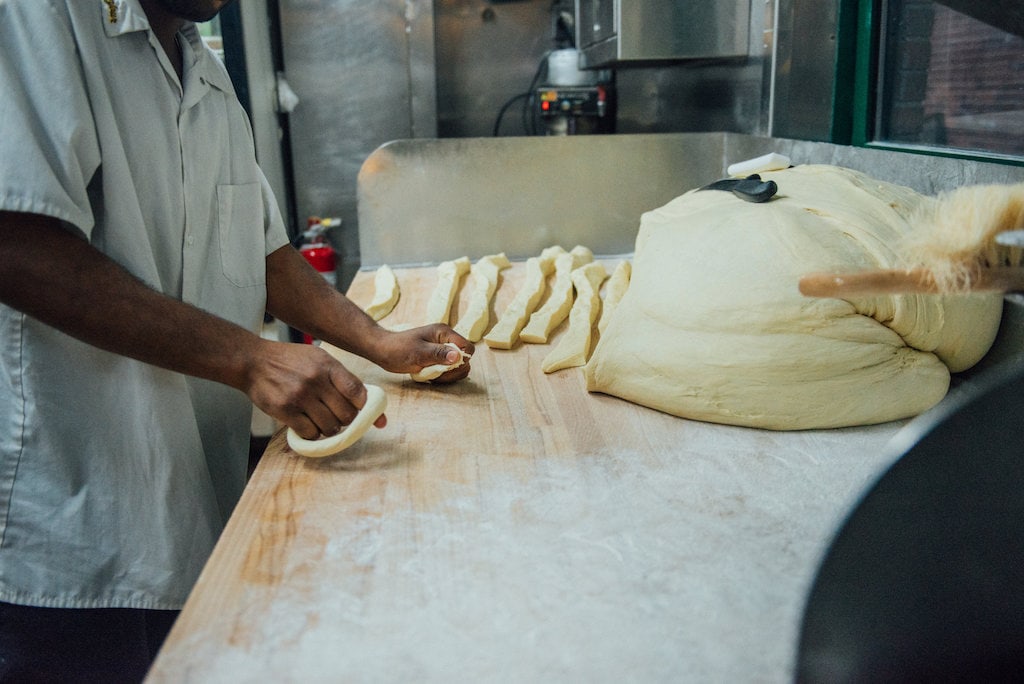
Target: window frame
[{"x": 858, "y": 62}]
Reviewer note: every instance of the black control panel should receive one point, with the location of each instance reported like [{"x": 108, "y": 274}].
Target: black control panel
[
  {"x": 574, "y": 101},
  {"x": 574, "y": 110}
]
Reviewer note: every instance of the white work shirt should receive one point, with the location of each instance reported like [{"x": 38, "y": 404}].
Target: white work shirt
[{"x": 116, "y": 477}]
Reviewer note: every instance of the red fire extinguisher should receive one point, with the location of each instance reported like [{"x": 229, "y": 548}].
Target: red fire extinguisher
[{"x": 318, "y": 251}]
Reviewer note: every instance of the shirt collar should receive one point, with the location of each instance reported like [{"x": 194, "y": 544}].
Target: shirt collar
[{"x": 129, "y": 17}]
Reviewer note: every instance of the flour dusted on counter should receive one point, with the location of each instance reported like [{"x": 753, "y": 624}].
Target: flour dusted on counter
[{"x": 713, "y": 327}]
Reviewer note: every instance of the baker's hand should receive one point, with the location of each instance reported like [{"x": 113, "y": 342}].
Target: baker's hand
[
  {"x": 306, "y": 389},
  {"x": 410, "y": 351}
]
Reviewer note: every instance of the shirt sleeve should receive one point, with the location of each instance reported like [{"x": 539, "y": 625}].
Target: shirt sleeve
[
  {"x": 49, "y": 149},
  {"x": 276, "y": 235}
]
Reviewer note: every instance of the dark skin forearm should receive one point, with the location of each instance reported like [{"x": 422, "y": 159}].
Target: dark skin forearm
[
  {"x": 301, "y": 297},
  {"x": 61, "y": 280}
]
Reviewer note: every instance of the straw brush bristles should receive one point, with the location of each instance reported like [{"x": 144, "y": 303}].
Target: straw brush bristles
[{"x": 954, "y": 235}]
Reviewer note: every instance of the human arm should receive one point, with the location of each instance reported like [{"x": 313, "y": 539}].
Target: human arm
[
  {"x": 301, "y": 297},
  {"x": 55, "y": 276}
]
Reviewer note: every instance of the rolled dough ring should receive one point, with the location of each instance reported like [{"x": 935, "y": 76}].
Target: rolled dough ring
[
  {"x": 438, "y": 369},
  {"x": 376, "y": 402}
]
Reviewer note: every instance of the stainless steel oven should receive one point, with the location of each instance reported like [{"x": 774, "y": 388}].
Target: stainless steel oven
[{"x": 613, "y": 31}]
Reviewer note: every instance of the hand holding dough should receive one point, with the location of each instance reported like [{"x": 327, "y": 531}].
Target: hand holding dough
[
  {"x": 376, "y": 403},
  {"x": 438, "y": 369}
]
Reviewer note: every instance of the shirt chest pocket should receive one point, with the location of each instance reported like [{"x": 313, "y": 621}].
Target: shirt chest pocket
[{"x": 240, "y": 227}]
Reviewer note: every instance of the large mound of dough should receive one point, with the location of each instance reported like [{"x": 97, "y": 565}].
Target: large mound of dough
[{"x": 713, "y": 327}]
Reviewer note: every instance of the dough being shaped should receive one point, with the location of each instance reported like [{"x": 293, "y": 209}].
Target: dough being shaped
[
  {"x": 438, "y": 369},
  {"x": 385, "y": 293},
  {"x": 617, "y": 286},
  {"x": 713, "y": 327},
  {"x": 376, "y": 403},
  {"x": 506, "y": 331},
  {"x": 449, "y": 275},
  {"x": 574, "y": 346},
  {"x": 556, "y": 308},
  {"x": 473, "y": 322}
]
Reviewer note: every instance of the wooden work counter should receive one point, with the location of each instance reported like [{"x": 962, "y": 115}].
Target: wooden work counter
[{"x": 514, "y": 527}]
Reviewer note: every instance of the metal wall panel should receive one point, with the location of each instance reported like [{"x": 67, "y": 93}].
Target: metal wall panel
[
  {"x": 703, "y": 95},
  {"x": 363, "y": 72},
  {"x": 613, "y": 31},
  {"x": 487, "y": 54},
  {"x": 263, "y": 106},
  {"x": 424, "y": 201},
  {"x": 371, "y": 71},
  {"x": 805, "y": 69}
]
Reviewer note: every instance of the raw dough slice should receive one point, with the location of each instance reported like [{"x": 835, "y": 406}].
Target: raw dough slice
[
  {"x": 506, "y": 331},
  {"x": 713, "y": 326},
  {"x": 449, "y": 275},
  {"x": 617, "y": 286},
  {"x": 485, "y": 272},
  {"x": 556, "y": 308},
  {"x": 574, "y": 346},
  {"x": 376, "y": 403},
  {"x": 385, "y": 293}
]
